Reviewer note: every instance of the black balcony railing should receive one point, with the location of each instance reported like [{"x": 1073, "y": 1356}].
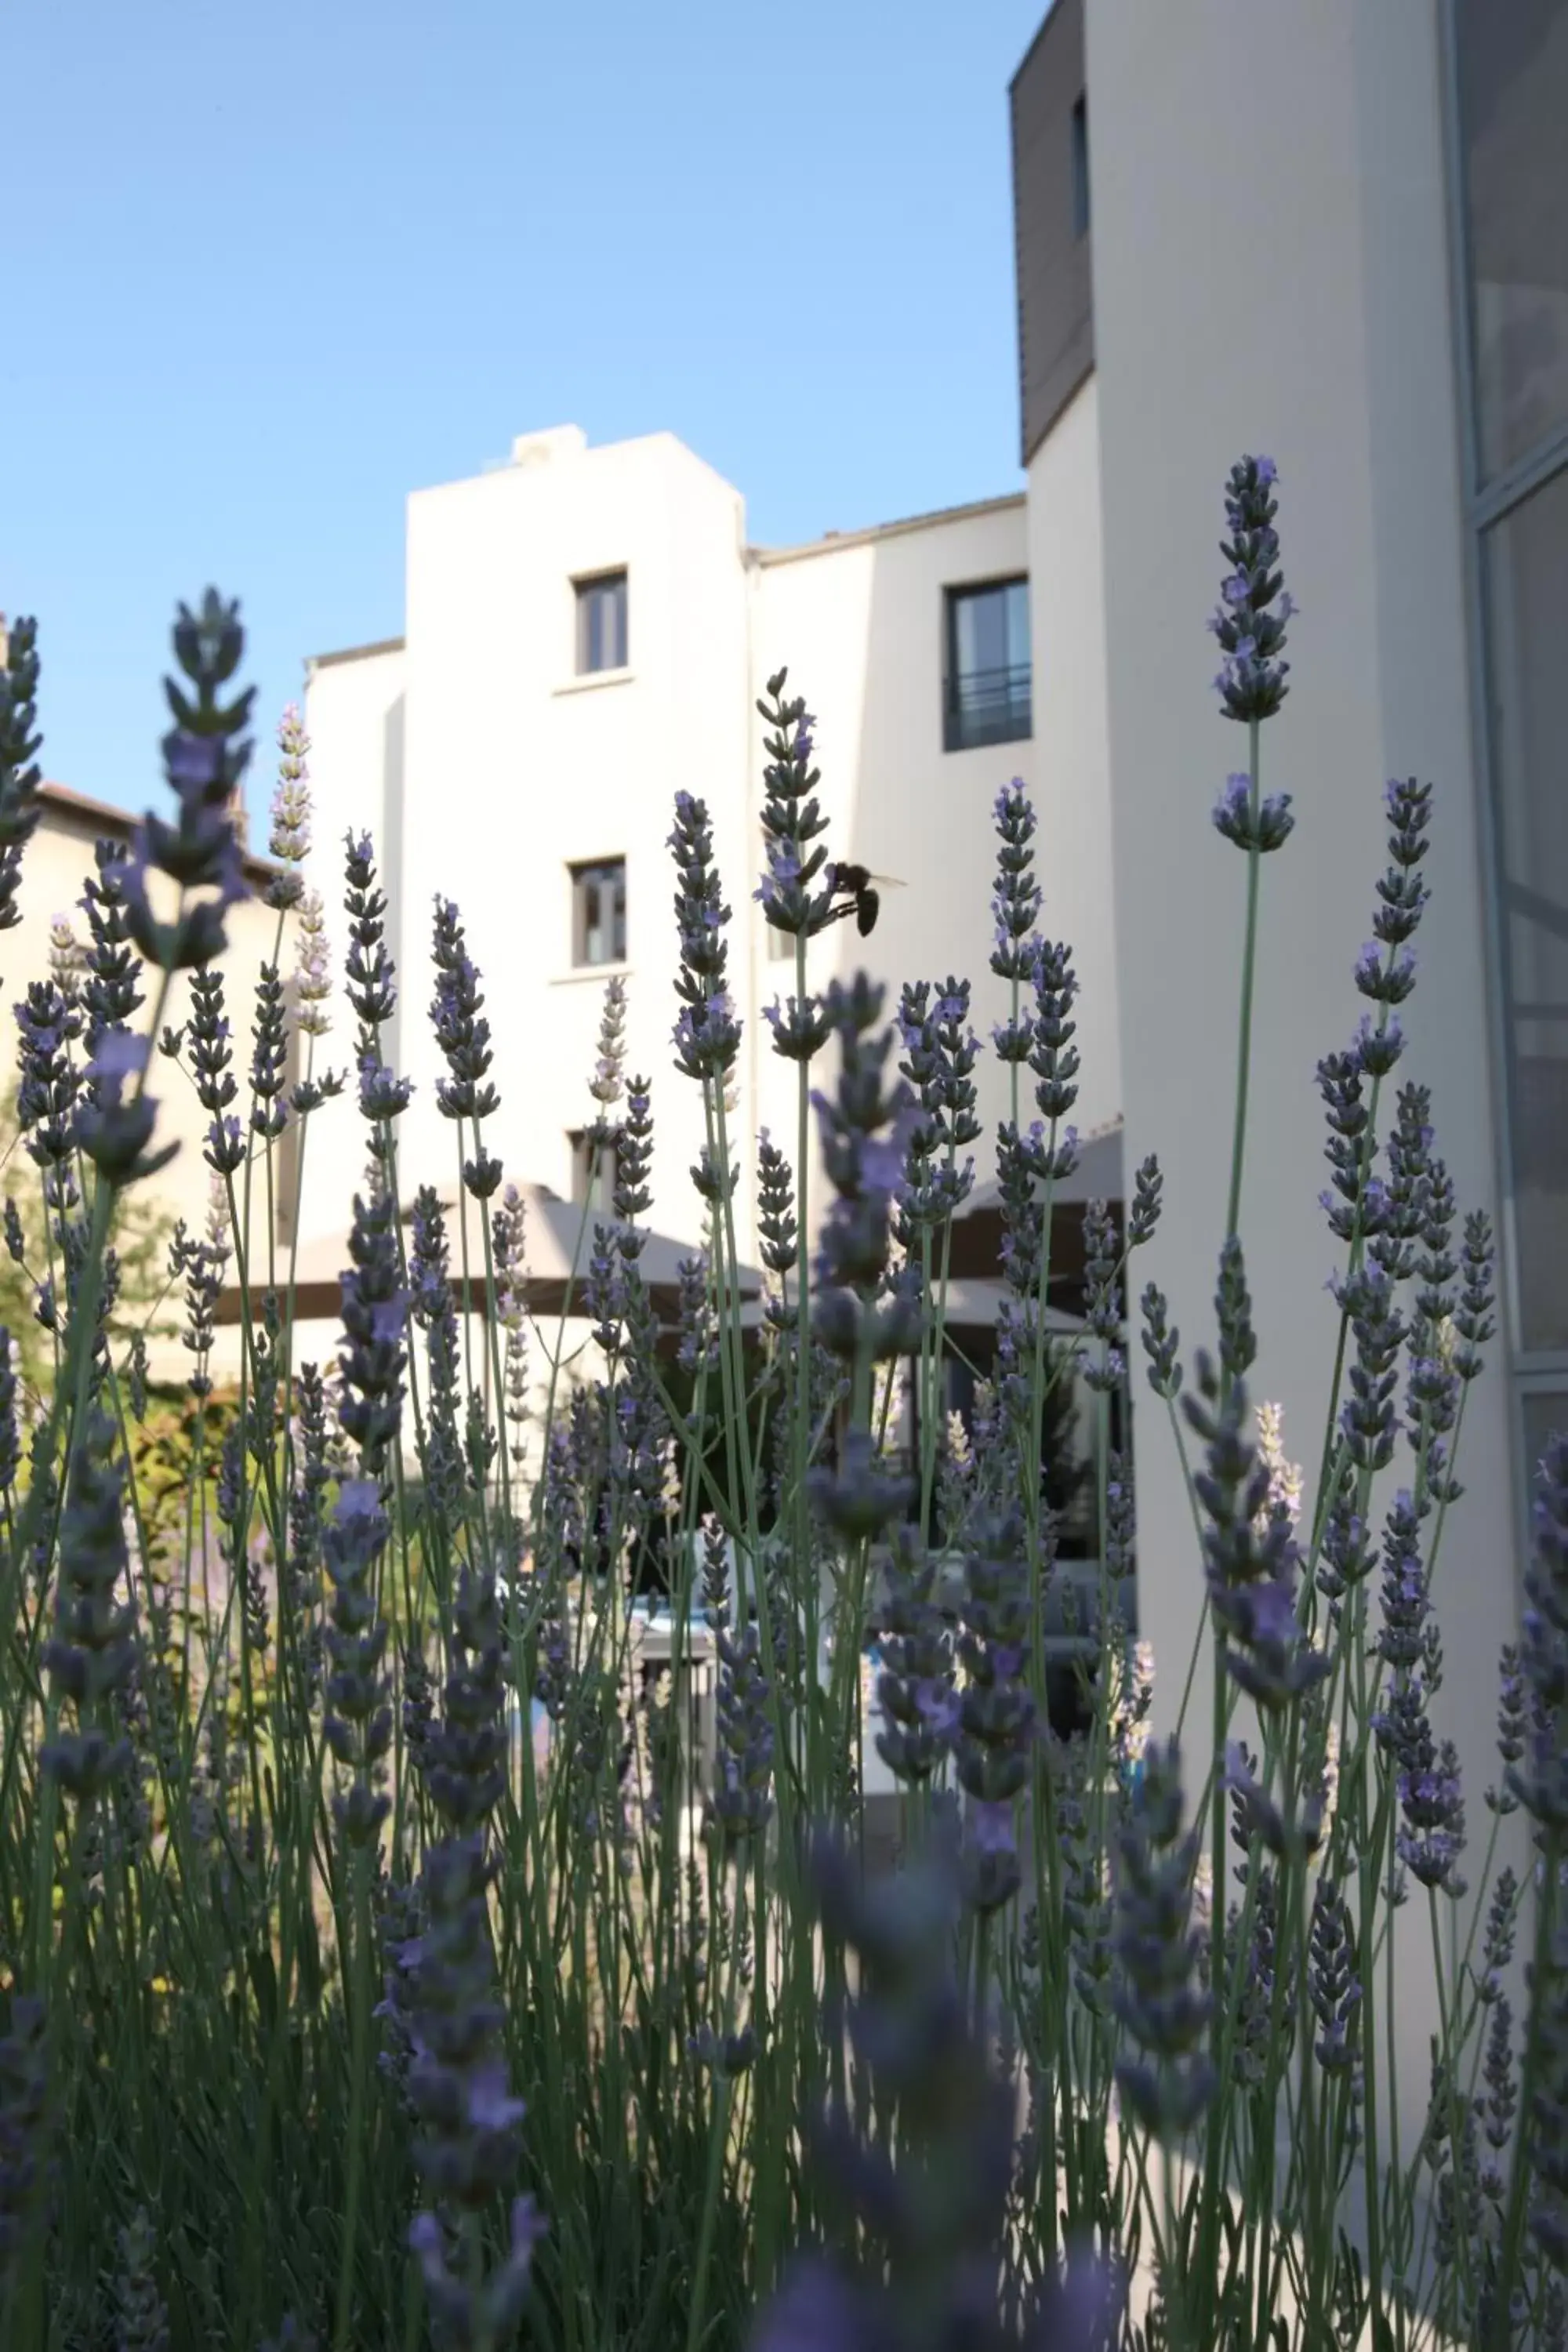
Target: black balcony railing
[{"x": 988, "y": 705}]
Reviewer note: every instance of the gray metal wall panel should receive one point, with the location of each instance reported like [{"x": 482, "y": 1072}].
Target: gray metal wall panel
[{"x": 1056, "y": 311}]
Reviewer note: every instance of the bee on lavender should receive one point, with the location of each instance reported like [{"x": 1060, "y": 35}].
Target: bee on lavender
[{"x": 860, "y": 892}]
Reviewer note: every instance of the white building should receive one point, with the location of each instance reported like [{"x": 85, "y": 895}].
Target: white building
[
  {"x": 588, "y": 632},
  {"x": 1337, "y": 234}
]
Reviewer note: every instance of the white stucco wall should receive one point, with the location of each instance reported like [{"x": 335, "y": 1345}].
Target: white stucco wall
[
  {"x": 860, "y": 627},
  {"x": 515, "y": 770},
  {"x": 354, "y": 715},
  {"x": 1071, "y": 756},
  {"x": 486, "y": 769},
  {"x": 1296, "y": 153}
]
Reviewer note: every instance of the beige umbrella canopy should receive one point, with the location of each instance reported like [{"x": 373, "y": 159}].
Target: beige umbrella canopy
[{"x": 555, "y": 1240}]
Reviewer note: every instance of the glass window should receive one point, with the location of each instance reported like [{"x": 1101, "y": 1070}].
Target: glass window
[
  {"x": 1512, "y": 62},
  {"x": 1526, "y": 572},
  {"x": 1081, "y": 167},
  {"x": 602, "y": 623},
  {"x": 593, "y": 1172},
  {"x": 1545, "y": 1415},
  {"x": 599, "y": 912},
  {"x": 989, "y": 673}
]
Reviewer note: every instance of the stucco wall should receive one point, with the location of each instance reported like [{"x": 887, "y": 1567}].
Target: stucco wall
[
  {"x": 1296, "y": 153},
  {"x": 515, "y": 770},
  {"x": 354, "y": 715},
  {"x": 1069, "y": 766},
  {"x": 860, "y": 627}
]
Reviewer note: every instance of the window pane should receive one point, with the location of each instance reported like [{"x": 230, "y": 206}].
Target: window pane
[
  {"x": 1513, "y": 104},
  {"x": 602, "y": 623},
  {"x": 593, "y": 1173},
  {"x": 1527, "y": 600},
  {"x": 599, "y": 913},
  {"x": 988, "y": 684}
]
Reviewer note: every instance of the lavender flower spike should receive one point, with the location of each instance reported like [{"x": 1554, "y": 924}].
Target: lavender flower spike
[
  {"x": 289, "y": 841},
  {"x": 1250, "y": 620}
]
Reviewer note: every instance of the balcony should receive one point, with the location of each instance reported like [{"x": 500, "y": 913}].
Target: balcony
[{"x": 988, "y": 705}]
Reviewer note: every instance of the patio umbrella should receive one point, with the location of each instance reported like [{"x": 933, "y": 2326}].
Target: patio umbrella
[
  {"x": 554, "y": 1236},
  {"x": 976, "y": 1249}
]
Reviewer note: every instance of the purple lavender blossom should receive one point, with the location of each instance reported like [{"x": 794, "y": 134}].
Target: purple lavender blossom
[
  {"x": 205, "y": 758},
  {"x": 20, "y": 776},
  {"x": 792, "y": 821},
  {"x": 290, "y": 840},
  {"x": 707, "y": 1034},
  {"x": 1251, "y": 617},
  {"x": 90, "y": 1655},
  {"x": 358, "y": 1723},
  {"x": 1015, "y": 905},
  {"x": 462, "y": 1033},
  {"x": 1267, "y": 828},
  {"x": 935, "y": 2219},
  {"x": 1250, "y": 1553},
  {"x": 1168, "y": 2084}
]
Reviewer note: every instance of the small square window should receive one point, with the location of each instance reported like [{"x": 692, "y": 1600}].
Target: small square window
[
  {"x": 599, "y": 912},
  {"x": 1080, "y": 166},
  {"x": 602, "y": 623},
  {"x": 593, "y": 1172},
  {"x": 988, "y": 689}
]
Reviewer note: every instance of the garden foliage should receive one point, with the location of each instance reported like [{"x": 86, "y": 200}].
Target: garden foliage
[{"x": 386, "y": 1959}]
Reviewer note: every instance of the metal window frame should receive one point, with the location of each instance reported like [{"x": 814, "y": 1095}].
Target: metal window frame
[
  {"x": 953, "y": 590},
  {"x": 1485, "y": 505}
]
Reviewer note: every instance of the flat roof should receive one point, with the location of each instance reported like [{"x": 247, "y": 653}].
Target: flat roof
[
  {"x": 827, "y": 544},
  {"x": 830, "y": 541},
  {"x": 354, "y": 653}
]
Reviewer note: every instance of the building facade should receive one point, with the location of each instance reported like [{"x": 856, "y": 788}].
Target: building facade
[
  {"x": 588, "y": 632},
  {"x": 1337, "y": 234}
]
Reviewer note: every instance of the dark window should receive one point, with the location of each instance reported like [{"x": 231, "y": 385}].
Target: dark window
[
  {"x": 599, "y": 912},
  {"x": 1525, "y": 559},
  {"x": 1081, "y": 167},
  {"x": 593, "y": 1172},
  {"x": 987, "y": 693},
  {"x": 1512, "y": 68},
  {"x": 602, "y": 623}
]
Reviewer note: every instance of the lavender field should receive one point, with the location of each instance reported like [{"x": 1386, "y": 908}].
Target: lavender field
[{"x": 438, "y": 1901}]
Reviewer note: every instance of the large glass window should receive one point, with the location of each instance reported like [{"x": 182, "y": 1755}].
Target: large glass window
[
  {"x": 1526, "y": 572},
  {"x": 1512, "y": 65},
  {"x": 988, "y": 665}
]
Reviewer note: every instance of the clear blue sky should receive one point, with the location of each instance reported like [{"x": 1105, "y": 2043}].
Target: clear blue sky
[{"x": 271, "y": 265}]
